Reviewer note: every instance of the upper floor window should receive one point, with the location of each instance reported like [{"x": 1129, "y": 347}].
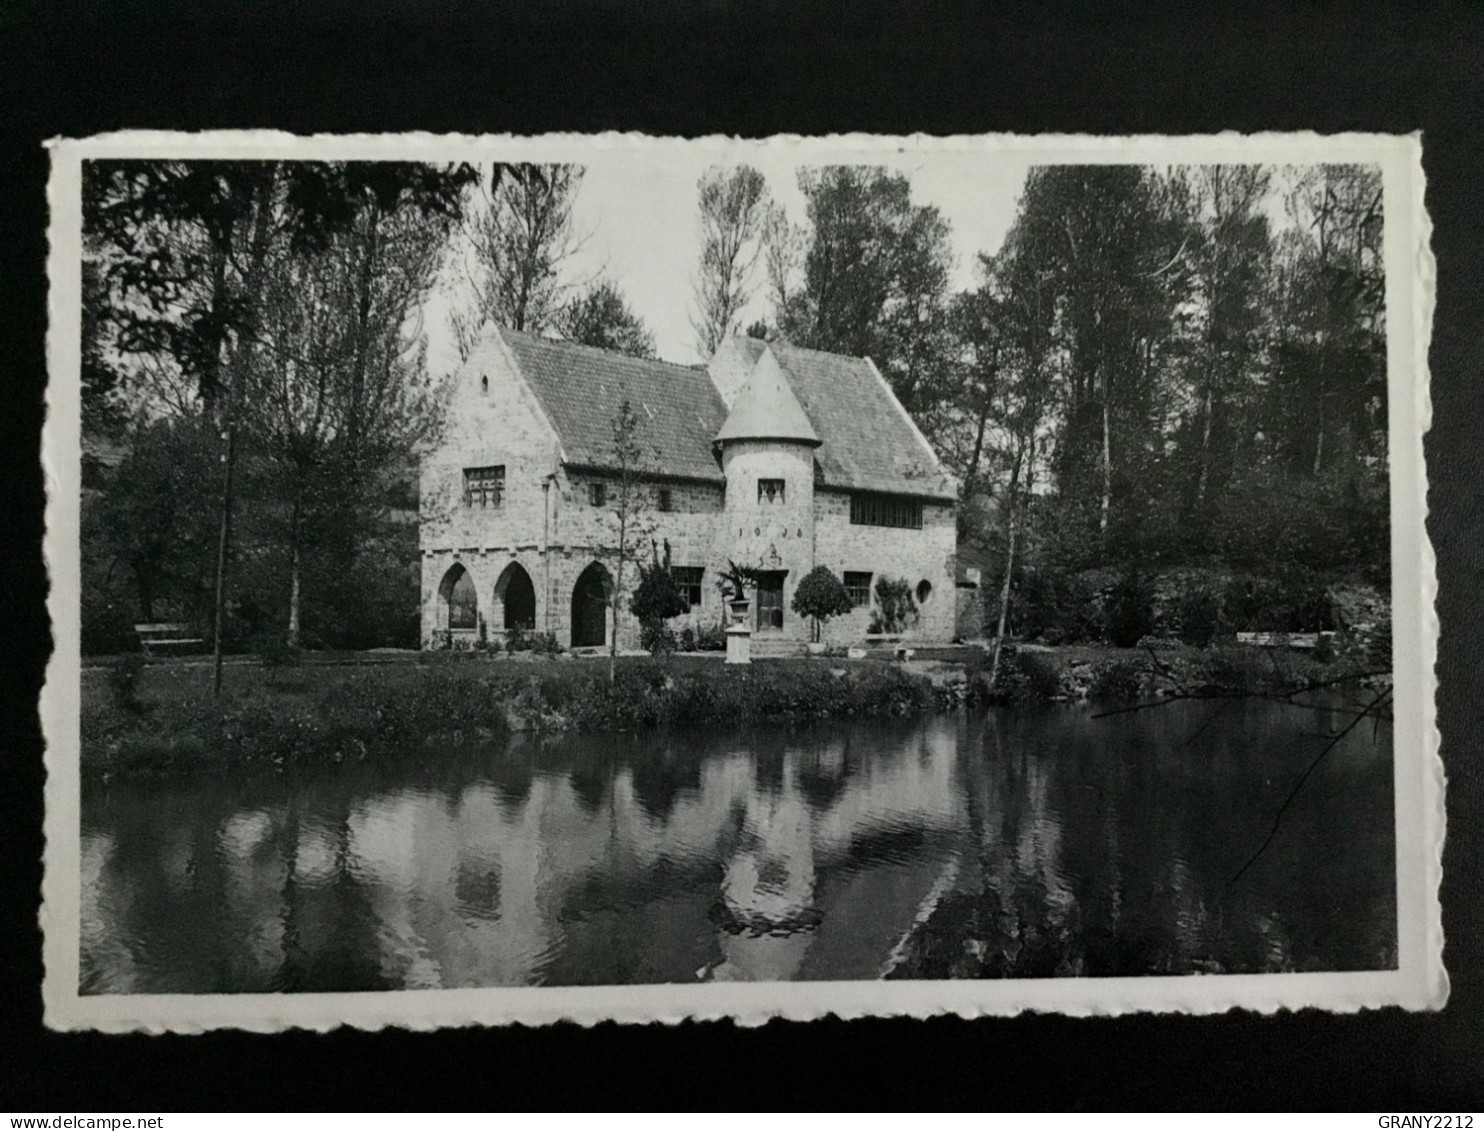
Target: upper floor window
[
  {"x": 689, "y": 579},
  {"x": 858, "y": 588},
  {"x": 484, "y": 385},
  {"x": 597, "y": 494},
  {"x": 484, "y": 486},
  {"x": 666, "y": 500},
  {"x": 886, "y": 510},
  {"x": 770, "y": 490}
]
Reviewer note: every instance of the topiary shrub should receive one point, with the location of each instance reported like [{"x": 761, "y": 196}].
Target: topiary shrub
[{"x": 820, "y": 596}]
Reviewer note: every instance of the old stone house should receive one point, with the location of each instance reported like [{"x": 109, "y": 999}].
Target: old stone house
[{"x": 771, "y": 456}]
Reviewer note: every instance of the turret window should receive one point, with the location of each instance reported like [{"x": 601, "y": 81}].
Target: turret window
[
  {"x": 770, "y": 491},
  {"x": 484, "y": 486}
]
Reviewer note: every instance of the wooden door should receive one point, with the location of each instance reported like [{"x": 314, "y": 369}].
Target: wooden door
[{"x": 770, "y": 602}]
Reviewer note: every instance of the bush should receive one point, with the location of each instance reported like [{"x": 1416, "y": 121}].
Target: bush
[
  {"x": 544, "y": 644},
  {"x": 711, "y": 638},
  {"x": 1201, "y": 618},
  {"x": 820, "y": 596},
  {"x": 1056, "y": 607},
  {"x": 687, "y": 639},
  {"x": 1037, "y": 673},
  {"x": 1119, "y": 679},
  {"x": 518, "y": 639},
  {"x": 657, "y": 638},
  {"x": 895, "y": 608},
  {"x": 1130, "y": 610}
]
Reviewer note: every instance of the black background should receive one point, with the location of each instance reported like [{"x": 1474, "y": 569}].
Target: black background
[{"x": 701, "y": 67}]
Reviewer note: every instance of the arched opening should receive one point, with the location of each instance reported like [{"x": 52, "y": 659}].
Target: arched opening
[
  {"x": 924, "y": 591},
  {"x": 517, "y": 594},
  {"x": 590, "y": 607},
  {"x": 458, "y": 603}
]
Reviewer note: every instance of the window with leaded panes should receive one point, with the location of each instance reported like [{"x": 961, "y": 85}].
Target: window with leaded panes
[
  {"x": 858, "y": 588},
  {"x": 484, "y": 486},
  {"x": 770, "y": 490},
  {"x": 688, "y": 580},
  {"x": 886, "y": 510}
]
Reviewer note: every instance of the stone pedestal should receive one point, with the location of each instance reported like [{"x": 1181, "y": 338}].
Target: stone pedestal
[{"x": 739, "y": 644}]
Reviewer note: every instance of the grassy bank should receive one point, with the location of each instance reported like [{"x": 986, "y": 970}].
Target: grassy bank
[
  {"x": 280, "y": 718},
  {"x": 162, "y": 718},
  {"x": 1106, "y": 674}
]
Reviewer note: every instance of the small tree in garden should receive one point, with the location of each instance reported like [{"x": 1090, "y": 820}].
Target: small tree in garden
[
  {"x": 820, "y": 595},
  {"x": 737, "y": 580},
  {"x": 656, "y": 599},
  {"x": 895, "y": 608}
]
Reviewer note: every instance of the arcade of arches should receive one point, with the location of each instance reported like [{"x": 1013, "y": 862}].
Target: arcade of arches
[{"x": 513, "y": 604}]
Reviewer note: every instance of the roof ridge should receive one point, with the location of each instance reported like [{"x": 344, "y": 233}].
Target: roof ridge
[
  {"x": 821, "y": 353},
  {"x": 541, "y": 339}
]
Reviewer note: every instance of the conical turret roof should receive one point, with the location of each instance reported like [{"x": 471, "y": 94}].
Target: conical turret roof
[{"x": 767, "y": 409}]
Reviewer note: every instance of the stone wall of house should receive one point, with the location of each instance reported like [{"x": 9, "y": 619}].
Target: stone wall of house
[
  {"x": 770, "y": 533},
  {"x": 918, "y": 556},
  {"x": 493, "y": 421}
]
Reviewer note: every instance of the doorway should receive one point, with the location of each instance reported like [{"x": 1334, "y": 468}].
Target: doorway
[
  {"x": 590, "y": 607},
  {"x": 770, "y": 601}
]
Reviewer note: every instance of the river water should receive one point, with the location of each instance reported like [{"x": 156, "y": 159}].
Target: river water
[{"x": 1030, "y": 843}]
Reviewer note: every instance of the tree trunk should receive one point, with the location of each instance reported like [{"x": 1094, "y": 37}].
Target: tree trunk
[
  {"x": 1107, "y": 465},
  {"x": 1011, "y": 523},
  {"x": 294, "y": 571},
  {"x": 363, "y": 320},
  {"x": 1200, "y": 483},
  {"x": 224, "y": 540}
]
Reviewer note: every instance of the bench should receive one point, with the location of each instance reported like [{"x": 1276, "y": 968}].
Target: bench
[
  {"x": 1300, "y": 640},
  {"x": 165, "y": 636}
]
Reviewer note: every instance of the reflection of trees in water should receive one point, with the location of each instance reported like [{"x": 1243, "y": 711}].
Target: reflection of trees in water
[{"x": 1117, "y": 856}]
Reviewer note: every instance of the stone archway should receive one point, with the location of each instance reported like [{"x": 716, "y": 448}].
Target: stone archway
[
  {"x": 590, "y": 607},
  {"x": 515, "y": 595},
  {"x": 458, "y": 602}
]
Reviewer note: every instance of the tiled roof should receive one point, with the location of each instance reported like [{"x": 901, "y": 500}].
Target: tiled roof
[
  {"x": 767, "y": 409},
  {"x": 581, "y": 388},
  {"x": 869, "y": 442}
]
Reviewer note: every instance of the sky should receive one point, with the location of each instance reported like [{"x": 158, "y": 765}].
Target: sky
[{"x": 637, "y": 218}]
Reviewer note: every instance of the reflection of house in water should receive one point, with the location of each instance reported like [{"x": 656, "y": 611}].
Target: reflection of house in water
[{"x": 741, "y": 875}]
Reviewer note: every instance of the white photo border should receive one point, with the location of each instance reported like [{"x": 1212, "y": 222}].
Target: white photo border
[{"x": 1418, "y": 982}]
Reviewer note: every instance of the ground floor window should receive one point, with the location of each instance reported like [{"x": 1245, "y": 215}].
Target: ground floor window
[
  {"x": 597, "y": 494},
  {"x": 858, "y": 588},
  {"x": 688, "y": 579}
]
